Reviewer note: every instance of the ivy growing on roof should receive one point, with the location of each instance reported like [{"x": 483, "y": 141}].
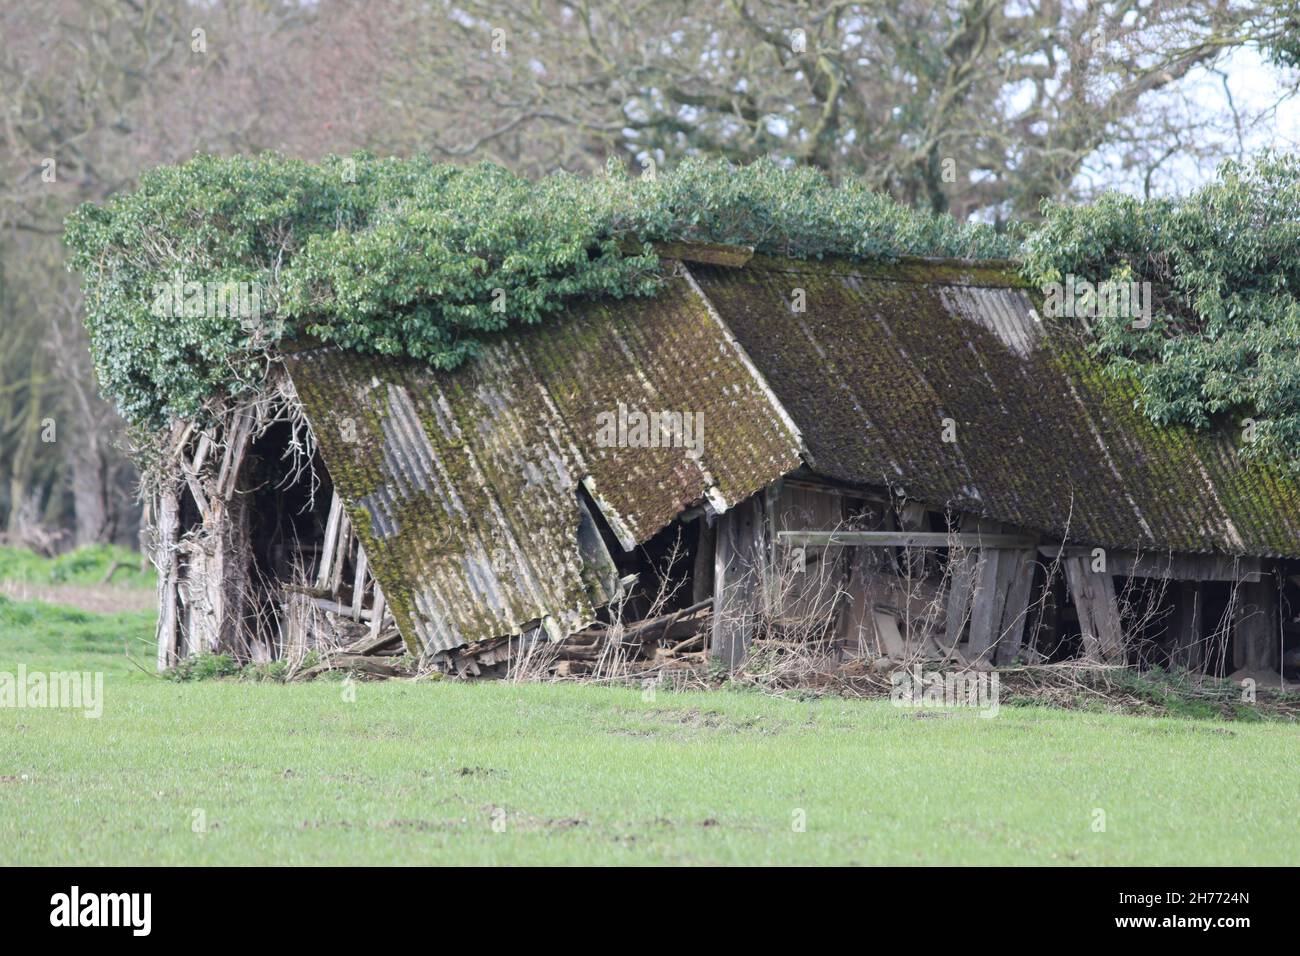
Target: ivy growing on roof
[
  {"x": 1224, "y": 266},
  {"x": 418, "y": 259},
  {"x": 413, "y": 258}
]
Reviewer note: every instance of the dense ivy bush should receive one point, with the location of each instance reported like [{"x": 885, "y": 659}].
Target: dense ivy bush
[
  {"x": 1224, "y": 263},
  {"x": 413, "y": 258}
]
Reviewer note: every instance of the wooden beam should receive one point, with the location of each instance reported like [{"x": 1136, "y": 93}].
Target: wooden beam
[
  {"x": 986, "y": 606},
  {"x": 1256, "y": 636},
  {"x": 377, "y": 612},
  {"x": 737, "y": 589},
  {"x": 1186, "y": 646},
  {"x": 907, "y": 539},
  {"x": 192, "y": 470},
  {"x": 1094, "y": 599},
  {"x": 962, "y": 567},
  {"x": 332, "y": 525},
  {"x": 707, "y": 253},
  {"x": 341, "y": 552},
  {"x": 168, "y": 563},
  {"x": 1000, "y": 598},
  {"x": 359, "y": 583},
  {"x": 1015, "y": 611},
  {"x": 1167, "y": 566},
  {"x": 237, "y": 439},
  {"x": 343, "y": 610}
]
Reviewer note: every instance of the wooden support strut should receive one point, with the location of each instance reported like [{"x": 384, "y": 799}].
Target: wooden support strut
[
  {"x": 737, "y": 568},
  {"x": 332, "y": 526},
  {"x": 1186, "y": 646},
  {"x": 1167, "y": 566},
  {"x": 1094, "y": 599},
  {"x": 377, "y": 612},
  {"x": 1256, "y": 638},
  {"x": 359, "y": 583},
  {"x": 168, "y": 563}
]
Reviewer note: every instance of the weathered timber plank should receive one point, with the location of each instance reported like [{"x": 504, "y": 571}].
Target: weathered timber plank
[
  {"x": 907, "y": 539},
  {"x": 1094, "y": 598},
  {"x": 1186, "y": 647},
  {"x": 1020, "y": 566},
  {"x": 332, "y": 525},
  {"x": 1168, "y": 566},
  {"x": 1256, "y": 635},
  {"x": 168, "y": 563},
  {"x": 737, "y": 585}
]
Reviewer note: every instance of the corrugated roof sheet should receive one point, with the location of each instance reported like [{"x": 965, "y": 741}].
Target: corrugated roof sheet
[
  {"x": 463, "y": 486},
  {"x": 1046, "y": 439}
]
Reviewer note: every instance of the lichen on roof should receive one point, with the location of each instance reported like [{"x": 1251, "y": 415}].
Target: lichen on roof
[
  {"x": 464, "y": 486},
  {"x": 883, "y": 357}
]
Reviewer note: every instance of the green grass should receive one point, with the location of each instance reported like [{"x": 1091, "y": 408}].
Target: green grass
[
  {"x": 86, "y": 565},
  {"x": 419, "y": 773},
  {"x": 54, "y": 637}
]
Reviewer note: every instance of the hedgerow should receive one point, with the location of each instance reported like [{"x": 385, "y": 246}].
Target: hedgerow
[{"x": 413, "y": 258}]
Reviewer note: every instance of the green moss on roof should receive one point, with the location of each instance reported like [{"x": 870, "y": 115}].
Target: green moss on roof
[
  {"x": 463, "y": 485},
  {"x": 1048, "y": 437}
]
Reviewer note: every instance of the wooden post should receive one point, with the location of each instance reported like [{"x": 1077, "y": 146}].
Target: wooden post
[
  {"x": 1255, "y": 637},
  {"x": 1094, "y": 598},
  {"x": 972, "y": 590},
  {"x": 332, "y": 525},
  {"x": 377, "y": 612},
  {"x": 986, "y": 605},
  {"x": 702, "y": 573},
  {"x": 1018, "y": 583},
  {"x": 737, "y": 584},
  {"x": 219, "y": 555},
  {"x": 168, "y": 564},
  {"x": 359, "y": 583},
  {"x": 962, "y": 567},
  {"x": 341, "y": 551},
  {"x": 1186, "y": 647}
]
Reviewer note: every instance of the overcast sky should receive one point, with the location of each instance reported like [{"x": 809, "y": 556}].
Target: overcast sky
[{"x": 1255, "y": 86}]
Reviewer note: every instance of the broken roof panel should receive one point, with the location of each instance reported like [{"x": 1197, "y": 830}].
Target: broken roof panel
[
  {"x": 463, "y": 486},
  {"x": 1045, "y": 437}
]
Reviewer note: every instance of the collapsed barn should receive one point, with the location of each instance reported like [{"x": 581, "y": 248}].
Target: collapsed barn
[{"x": 898, "y": 462}]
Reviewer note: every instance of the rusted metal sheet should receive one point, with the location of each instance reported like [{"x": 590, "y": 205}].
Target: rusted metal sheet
[
  {"x": 464, "y": 486},
  {"x": 943, "y": 382}
]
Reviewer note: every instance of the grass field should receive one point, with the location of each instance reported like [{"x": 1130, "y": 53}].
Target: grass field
[{"x": 442, "y": 772}]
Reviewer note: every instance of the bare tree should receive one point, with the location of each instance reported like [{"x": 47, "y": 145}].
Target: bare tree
[
  {"x": 92, "y": 92},
  {"x": 968, "y": 106}
]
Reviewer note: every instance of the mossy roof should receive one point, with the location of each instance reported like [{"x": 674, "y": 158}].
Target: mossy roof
[
  {"x": 463, "y": 486},
  {"x": 1046, "y": 438}
]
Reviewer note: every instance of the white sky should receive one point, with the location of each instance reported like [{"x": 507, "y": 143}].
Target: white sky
[{"x": 1256, "y": 86}]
